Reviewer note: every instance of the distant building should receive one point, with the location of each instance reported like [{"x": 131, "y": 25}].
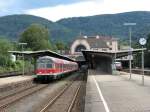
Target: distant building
[{"x": 99, "y": 43}]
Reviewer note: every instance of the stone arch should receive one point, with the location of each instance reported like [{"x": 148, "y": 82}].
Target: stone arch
[
  {"x": 79, "y": 43},
  {"x": 79, "y": 48}
]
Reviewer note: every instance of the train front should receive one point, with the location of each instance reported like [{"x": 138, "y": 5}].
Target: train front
[
  {"x": 53, "y": 68},
  {"x": 45, "y": 68}
]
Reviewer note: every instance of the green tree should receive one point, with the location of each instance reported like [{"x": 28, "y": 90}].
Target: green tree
[
  {"x": 60, "y": 45},
  {"x": 147, "y": 54},
  {"x": 148, "y": 41},
  {"x": 37, "y": 37},
  {"x": 5, "y": 46}
]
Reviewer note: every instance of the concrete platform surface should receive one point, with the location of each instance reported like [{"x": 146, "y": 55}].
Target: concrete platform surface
[
  {"x": 116, "y": 93},
  {"x": 15, "y": 79}
]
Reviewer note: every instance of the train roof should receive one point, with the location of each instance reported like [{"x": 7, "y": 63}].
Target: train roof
[{"x": 57, "y": 60}]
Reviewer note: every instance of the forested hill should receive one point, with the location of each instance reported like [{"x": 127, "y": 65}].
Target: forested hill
[
  {"x": 11, "y": 26},
  {"x": 67, "y": 29},
  {"x": 110, "y": 24}
]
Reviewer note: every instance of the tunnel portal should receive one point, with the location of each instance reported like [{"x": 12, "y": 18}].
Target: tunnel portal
[{"x": 79, "y": 48}]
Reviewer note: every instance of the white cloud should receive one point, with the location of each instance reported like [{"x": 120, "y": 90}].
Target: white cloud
[
  {"x": 116, "y": 6},
  {"x": 90, "y": 7}
]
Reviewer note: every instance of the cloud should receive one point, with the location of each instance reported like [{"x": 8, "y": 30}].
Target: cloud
[
  {"x": 71, "y": 10},
  {"x": 114, "y": 6},
  {"x": 90, "y": 7},
  {"x": 19, "y": 6},
  {"x": 31, "y": 4},
  {"x": 57, "y": 9}
]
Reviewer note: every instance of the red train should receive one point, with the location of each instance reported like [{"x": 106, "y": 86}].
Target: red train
[
  {"x": 118, "y": 65},
  {"x": 52, "y": 68}
]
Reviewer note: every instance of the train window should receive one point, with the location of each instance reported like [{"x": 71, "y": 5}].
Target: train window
[
  {"x": 44, "y": 61},
  {"x": 61, "y": 66},
  {"x": 57, "y": 66},
  {"x": 41, "y": 65},
  {"x": 49, "y": 65}
]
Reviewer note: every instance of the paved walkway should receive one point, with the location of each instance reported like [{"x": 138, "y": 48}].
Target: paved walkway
[{"x": 116, "y": 93}]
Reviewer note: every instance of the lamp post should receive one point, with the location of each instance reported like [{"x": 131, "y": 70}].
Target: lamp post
[
  {"x": 130, "y": 45},
  {"x": 22, "y": 48}
]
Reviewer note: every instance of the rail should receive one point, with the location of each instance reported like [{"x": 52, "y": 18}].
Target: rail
[
  {"x": 14, "y": 73},
  {"x": 53, "y": 101},
  {"x": 138, "y": 71},
  {"x": 9, "y": 100}
]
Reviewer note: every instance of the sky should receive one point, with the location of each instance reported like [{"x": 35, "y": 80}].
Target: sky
[{"x": 57, "y": 9}]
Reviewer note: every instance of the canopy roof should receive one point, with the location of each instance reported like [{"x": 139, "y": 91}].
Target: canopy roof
[
  {"x": 37, "y": 54},
  {"x": 110, "y": 54}
]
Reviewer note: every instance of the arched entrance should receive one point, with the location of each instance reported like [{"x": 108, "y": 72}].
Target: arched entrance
[
  {"x": 79, "y": 48},
  {"x": 79, "y": 45}
]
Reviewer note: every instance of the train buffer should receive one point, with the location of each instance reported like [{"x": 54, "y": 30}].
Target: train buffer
[{"x": 116, "y": 93}]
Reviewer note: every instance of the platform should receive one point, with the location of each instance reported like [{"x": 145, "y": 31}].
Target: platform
[
  {"x": 116, "y": 93},
  {"x": 14, "y": 79}
]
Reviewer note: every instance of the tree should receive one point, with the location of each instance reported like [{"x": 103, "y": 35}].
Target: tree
[
  {"x": 37, "y": 37},
  {"x": 148, "y": 41},
  {"x": 147, "y": 54},
  {"x": 60, "y": 45},
  {"x": 5, "y": 46}
]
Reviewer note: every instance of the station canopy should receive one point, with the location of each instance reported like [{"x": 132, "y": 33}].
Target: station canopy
[
  {"x": 111, "y": 54},
  {"x": 37, "y": 54},
  {"x": 86, "y": 53}
]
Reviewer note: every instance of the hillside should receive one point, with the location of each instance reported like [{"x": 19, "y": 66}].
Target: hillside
[
  {"x": 11, "y": 26},
  {"x": 67, "y": 29},
  {"x": 110, "y": 24}
]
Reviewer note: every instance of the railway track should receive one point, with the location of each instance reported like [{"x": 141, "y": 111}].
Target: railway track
[
  {"x": 10, "y": 99},
  {"x": 4, "y": 97},
  {"x": 70, "y": 87},
  {"x": 12, "y": 74},
  {"x": 138, "y": 71},
  {"x": 64, "y": 100}
]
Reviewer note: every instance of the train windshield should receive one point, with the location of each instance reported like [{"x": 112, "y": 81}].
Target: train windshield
[
  {"x": 118, "y": 63},
  {"x": 44, "y": 63},
  {"x": 40, "y": 65}
]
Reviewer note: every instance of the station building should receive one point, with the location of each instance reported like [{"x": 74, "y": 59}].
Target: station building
[{"x": 96, "y": 43}]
